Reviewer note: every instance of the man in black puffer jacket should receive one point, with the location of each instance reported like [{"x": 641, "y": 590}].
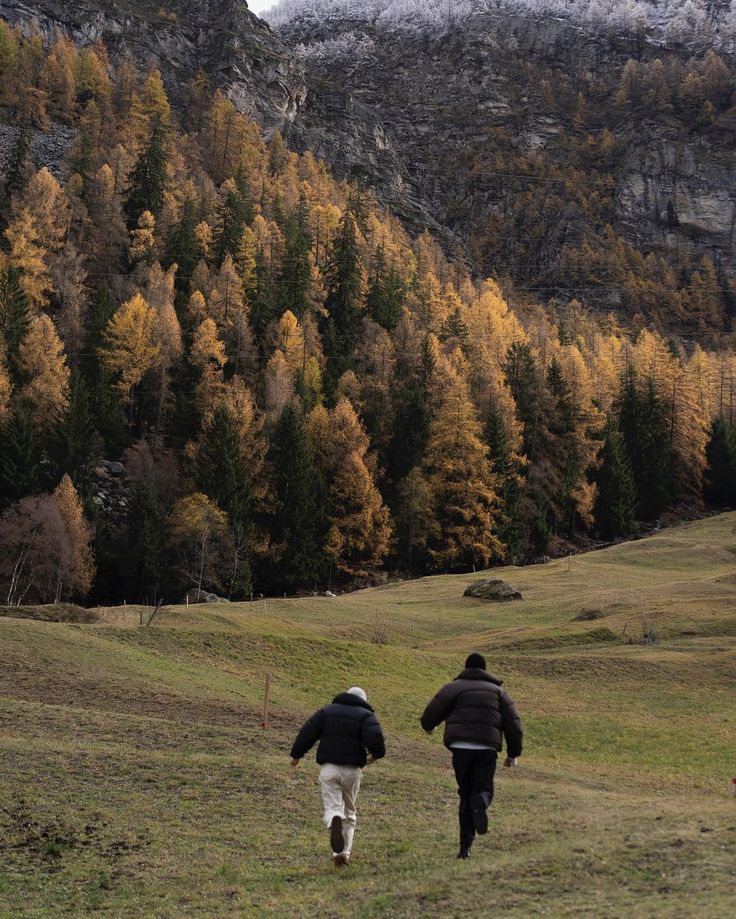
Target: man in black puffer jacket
[
  {"x": 349, "y": 737},
  {"x": 478, "y": 714}
]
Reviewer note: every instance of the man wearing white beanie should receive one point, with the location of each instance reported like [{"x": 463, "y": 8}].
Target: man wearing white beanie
[{"x": 350, "y": 737}]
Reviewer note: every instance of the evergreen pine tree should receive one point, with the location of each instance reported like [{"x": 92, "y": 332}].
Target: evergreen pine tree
[
  {"x": 223, "y": 475},
  {"x": 71, "y": 440},
  {"x": 296, "y": 269},
  {"x": 17, "y": 171},
  {"x": 147, "y": 183},
  {"x": 343, "y": 275},
  {"x": 521, "y": 378},
  {"x": 15, "y": 316},
  {"x": 182, "y": 249},
  {"x": 230, "y": 224},
  {"x": 298, "y": 523},
  {"x": 720, "y": 477},
  {"x": 263, "y": 308},
  {"x": 385, "y": 298},
  {"x": 616, "y": 503},
  {"x": 510, "y": 526},
  {"x": 643, "y": 424},
  {"x": 22, "y": 471},
  {"x": 143, "y": 544},
  {"x": 411, "y": 430}
]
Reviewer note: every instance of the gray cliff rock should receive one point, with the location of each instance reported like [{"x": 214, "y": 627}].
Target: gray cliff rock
[
  {"x": 237, "y": 50},
  {"x": 426, "y": 118}
]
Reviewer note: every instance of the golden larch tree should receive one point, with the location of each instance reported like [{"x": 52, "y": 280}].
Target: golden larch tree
[
  {"x": 6, "y": 387},
  {"x": 45, "y": 201},
  {"x": 360, "y": 533},
  {"x": 78, "y": 573},
  {"x": 459, "y": 474},
  {"x": 209, "y": 358},
  {"x": 28, "y": 257},
  {"x": 45, "y": 371},
  {"x": 131, "y": 347}
]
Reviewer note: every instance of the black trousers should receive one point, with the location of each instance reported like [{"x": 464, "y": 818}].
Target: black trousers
[{"x": 474, "y": 771}]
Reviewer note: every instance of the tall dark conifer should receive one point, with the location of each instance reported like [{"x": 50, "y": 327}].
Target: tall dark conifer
[
  {"x": 72, "y": 436},
  {"x": 298, "y": 520},
  {"x": 223, "y": 475},
  {"x": 385, "y": 297},
  {"x": 147, "y": 183},
  {"x": 720, "y": 476},
  {"x": 230, "y": 225},
  {"x": 616, "y": 503},
  {"x": 22, "y": 470},
  {"x": 510, "y": 527},
  {"x": 182, "y": 249},
  {"x": 15, "y": 316},
  {"x": 296, "y": 270},
  {"x": 643, "y": 425},
  {"x": 343, "y": 304},
  {"x": 263, "y": 308}
]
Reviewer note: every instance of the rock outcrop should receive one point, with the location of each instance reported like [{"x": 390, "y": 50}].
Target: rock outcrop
[
  {"x": 237, "y": 50},
  {"x": 467, "y": 130},
  {"x": 431, "y": 121}
]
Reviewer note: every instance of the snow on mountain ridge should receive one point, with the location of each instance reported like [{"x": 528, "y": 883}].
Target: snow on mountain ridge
[{"x": 706, "y": 22}]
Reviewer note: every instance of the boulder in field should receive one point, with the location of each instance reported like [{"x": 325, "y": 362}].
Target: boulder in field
[
  {"x": 202, "y": 596},
  {"x": 493, "y": 589}
]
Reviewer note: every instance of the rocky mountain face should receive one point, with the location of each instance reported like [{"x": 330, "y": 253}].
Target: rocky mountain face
[
  {"x": 234, "y": 47},
  {"x": 497, "y": 128},
  {"x": 502, "y": 133}
]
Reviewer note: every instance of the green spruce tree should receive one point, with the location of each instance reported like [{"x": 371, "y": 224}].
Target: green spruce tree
[
  {"x": 147, "y": 183},
  {"x": 298, "y": 522},
  {"x": 296, "y": 270},
  {"x": 720, "y": 476},
  {"x": 15, "y": 316},
  {"x": 222, "y": 474},
  {"x": 643, "y": 425},
  {"x": 616, "y": 502}
]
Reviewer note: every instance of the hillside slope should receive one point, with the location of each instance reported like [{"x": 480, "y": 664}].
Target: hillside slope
[
  {"x": 541, "y": 145},
  {"x": 580, "y": 153},
  {"x": 136, "y": 780}
]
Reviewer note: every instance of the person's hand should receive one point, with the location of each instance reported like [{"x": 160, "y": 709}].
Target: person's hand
[
  {"x": 295, "y": 763},
  {"x": 370, "y": 759},
  {"x": 511, "y": 762}
]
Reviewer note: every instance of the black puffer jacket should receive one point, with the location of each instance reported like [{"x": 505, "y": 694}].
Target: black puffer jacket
[
  {"x": 476, "y": 710},
  {"x": 345, "y": 729}
]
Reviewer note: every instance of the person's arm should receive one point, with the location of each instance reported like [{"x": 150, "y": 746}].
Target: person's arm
[
  {"x": 371, "y": 736},
  {"x": 512, "y": 729},
  {"x": 307, "y": 737},
  {"x": 438, "y": 709}
]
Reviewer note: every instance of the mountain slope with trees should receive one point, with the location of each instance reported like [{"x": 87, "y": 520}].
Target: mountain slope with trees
[
  {"x": 578, "y": 150},
  {"x": 301, "y": 394}
]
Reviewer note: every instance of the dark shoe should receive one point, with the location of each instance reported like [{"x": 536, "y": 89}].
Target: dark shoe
[
  {"x": 464, "y": 852},
  {"x": 480, "y": 817},
  {"x": 337, "y": 840},
  {"x": 340, "y": 860}
]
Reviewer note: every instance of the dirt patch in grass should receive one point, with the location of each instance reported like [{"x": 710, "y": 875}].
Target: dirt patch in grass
[
  {"x": 22, "y": 681},
  {"x": 52, "y": 612}
]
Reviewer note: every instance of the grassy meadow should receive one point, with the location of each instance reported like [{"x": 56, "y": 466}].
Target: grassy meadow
[{"x": 136, "y": 780}]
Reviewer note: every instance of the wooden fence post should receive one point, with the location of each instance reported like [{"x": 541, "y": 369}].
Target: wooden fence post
[{"x": 266, "y": 700}]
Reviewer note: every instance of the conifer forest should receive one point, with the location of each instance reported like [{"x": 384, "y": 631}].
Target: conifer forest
[{"x": 223, "y": 369}]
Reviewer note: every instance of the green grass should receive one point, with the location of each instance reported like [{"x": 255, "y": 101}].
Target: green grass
[{"x": 135, "y": 779}]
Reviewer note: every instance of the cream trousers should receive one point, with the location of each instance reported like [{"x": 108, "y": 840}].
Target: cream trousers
[{"x": 340, "y": 786}]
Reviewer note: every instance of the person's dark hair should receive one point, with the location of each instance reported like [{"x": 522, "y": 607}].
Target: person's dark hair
[{"x": 475, "y": 662}]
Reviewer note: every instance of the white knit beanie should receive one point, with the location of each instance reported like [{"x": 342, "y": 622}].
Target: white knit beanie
[{"x": 360, "y": 693}]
